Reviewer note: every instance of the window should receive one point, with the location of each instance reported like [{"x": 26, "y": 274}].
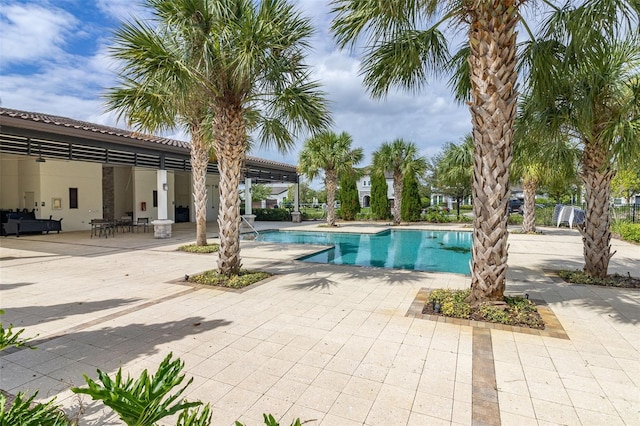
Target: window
[
  {"x": 73, "y": 198},
  {"x": 155, "y": 198}
]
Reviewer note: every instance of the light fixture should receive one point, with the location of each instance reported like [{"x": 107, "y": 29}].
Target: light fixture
[{"x": 165, "y": 186}]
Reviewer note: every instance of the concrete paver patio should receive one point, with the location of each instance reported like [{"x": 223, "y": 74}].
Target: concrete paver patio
[{"x": 325, "y": 343}]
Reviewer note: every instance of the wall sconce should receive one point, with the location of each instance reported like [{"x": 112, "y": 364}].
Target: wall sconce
[{"x": 165, "y": 186}]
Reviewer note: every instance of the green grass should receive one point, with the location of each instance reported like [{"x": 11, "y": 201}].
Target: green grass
[
  {"x": 243, "y": 279},
  {"x": 192, "y": 248}
]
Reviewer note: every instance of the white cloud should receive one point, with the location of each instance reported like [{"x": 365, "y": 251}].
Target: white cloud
[
  {"x": 122, "y": 10},
  {"x": 71, "y": 85},
  {"x": 32, "y": 32}
]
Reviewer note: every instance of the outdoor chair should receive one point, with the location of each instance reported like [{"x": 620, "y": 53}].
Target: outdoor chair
[{"x": 142, "y": 222}]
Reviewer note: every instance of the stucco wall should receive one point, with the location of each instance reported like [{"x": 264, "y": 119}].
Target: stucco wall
[
  {"x": 123, "y": 185},
  {"x": 29, "y": 182},
  {"x": 9, "y": 195},
  {"x": 56, "y": 177},
  {"x": 144, "y": 183},
  {"x": 213, "y": 199}
]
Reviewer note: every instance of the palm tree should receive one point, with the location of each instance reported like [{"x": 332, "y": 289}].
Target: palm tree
[
  {"x": 251, "y": 76},
  {"x": 403, "y": 47},
  {"x": 332, "y": 154},
  {"x": 587, "y": 88},
  {"x": 454, "y": 170},
  {"x": 541, "y": 162},
  {"x": 162, "y": 97},
  {"x": 398, "y": 158}
]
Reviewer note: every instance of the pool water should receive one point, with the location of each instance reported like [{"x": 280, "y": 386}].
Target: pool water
[{"x": 439, "y": 251}]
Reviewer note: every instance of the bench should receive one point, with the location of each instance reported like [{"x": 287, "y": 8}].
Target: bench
[{"x": 31, "y": 226}]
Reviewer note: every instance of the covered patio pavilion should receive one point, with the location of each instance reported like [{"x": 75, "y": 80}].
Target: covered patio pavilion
[{"x": 80, "y": 171}]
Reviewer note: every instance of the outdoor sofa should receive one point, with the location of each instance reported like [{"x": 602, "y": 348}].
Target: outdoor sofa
[{"x": 30, "y": 226}]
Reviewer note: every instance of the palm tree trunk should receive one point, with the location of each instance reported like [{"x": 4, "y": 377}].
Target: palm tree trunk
[
  {"x": 530, "y": 186},
  {"x": 492, "y": 39},
  {"x": 331, "y": 183},
  {"x": 596, "y": 234},
  {"x": 199, "y": 161},
  {"x": 397, "y": 197},
  {"x": 230, "y": 144}
]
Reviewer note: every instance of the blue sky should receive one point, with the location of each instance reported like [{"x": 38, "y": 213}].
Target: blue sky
[{"x": 54, "y": 59}]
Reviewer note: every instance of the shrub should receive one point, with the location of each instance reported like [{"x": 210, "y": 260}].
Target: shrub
[
  {"x": 146, "y": 400},
  {"x": 464, "y": 219},
  {"x": 364, "y": 216},
  {"x": 25, "y": 412},
  {"x": 451, "y": 302},
  {"x": 349, "y": 201},
  {"x": 627, "y": 231},
  {"x": 193, "y": 248},
  {"x": 140, "y": 402},
  {"x": 10, "y": 339},
  {"x": 243, "y": 279},
  {"x": 515, "y": 219},
  {"x": 517, "y": 311},
  {"x": 436, "y": 216},
  {"x": 411, "y": 205},
  {"x": 380, "y": 208},
  {"x": 615, "y": 280},
  {"x": 273, "y": 215}
]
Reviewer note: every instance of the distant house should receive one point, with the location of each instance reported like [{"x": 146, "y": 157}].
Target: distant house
[
  {"x": 276, "y": 198},
  {"x": 364, "y": 189}
]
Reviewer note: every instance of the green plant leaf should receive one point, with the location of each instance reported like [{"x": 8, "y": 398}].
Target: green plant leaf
[
  {"x": 25, "y": 412},
  {"x": 146, "y": 400}
]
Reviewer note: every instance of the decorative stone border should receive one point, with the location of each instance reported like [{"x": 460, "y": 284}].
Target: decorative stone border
[{"x": 553, "y": 328}]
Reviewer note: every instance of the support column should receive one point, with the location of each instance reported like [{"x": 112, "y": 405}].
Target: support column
[
  {"x": 163, "y": 190},
  {"x": 296, "y": 216},
  {"x": 248, "y": 201},
  {"x": 162, "y": 225}
]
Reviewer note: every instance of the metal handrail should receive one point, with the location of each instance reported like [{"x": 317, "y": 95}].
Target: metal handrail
[{"x": 251, "y": 226}]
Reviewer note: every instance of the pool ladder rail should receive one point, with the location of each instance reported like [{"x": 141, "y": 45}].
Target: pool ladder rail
[{"x": 251, "y": 226}]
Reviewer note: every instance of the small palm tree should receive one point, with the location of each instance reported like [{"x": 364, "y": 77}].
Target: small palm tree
[
  {"x": 586, "y": 87},
  {"x": 541, "y": 162},
  {"x": 332, "y": 154},
  {"x": 398, "y": 158},
  {"x": 454, "y": 170}
]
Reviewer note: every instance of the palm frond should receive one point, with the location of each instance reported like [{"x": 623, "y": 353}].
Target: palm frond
[{"x": 405, "y": 61}]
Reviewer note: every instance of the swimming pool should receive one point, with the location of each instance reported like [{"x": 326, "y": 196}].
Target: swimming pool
[{"x": 439, "y": 251}]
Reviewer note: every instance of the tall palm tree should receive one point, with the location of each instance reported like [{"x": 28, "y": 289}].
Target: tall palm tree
[
  {"x": 403, "y": 47},
  {"x": 398, "y": 158},
  {"x": 251, "y": 76},
  {"x": 332, "y": 154},
  {"x": 587, "y": 88},
  {"x": 162, "y": 97}
]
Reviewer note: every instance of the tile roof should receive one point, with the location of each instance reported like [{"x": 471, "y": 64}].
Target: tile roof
[{"x": 55, "y": 120}]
